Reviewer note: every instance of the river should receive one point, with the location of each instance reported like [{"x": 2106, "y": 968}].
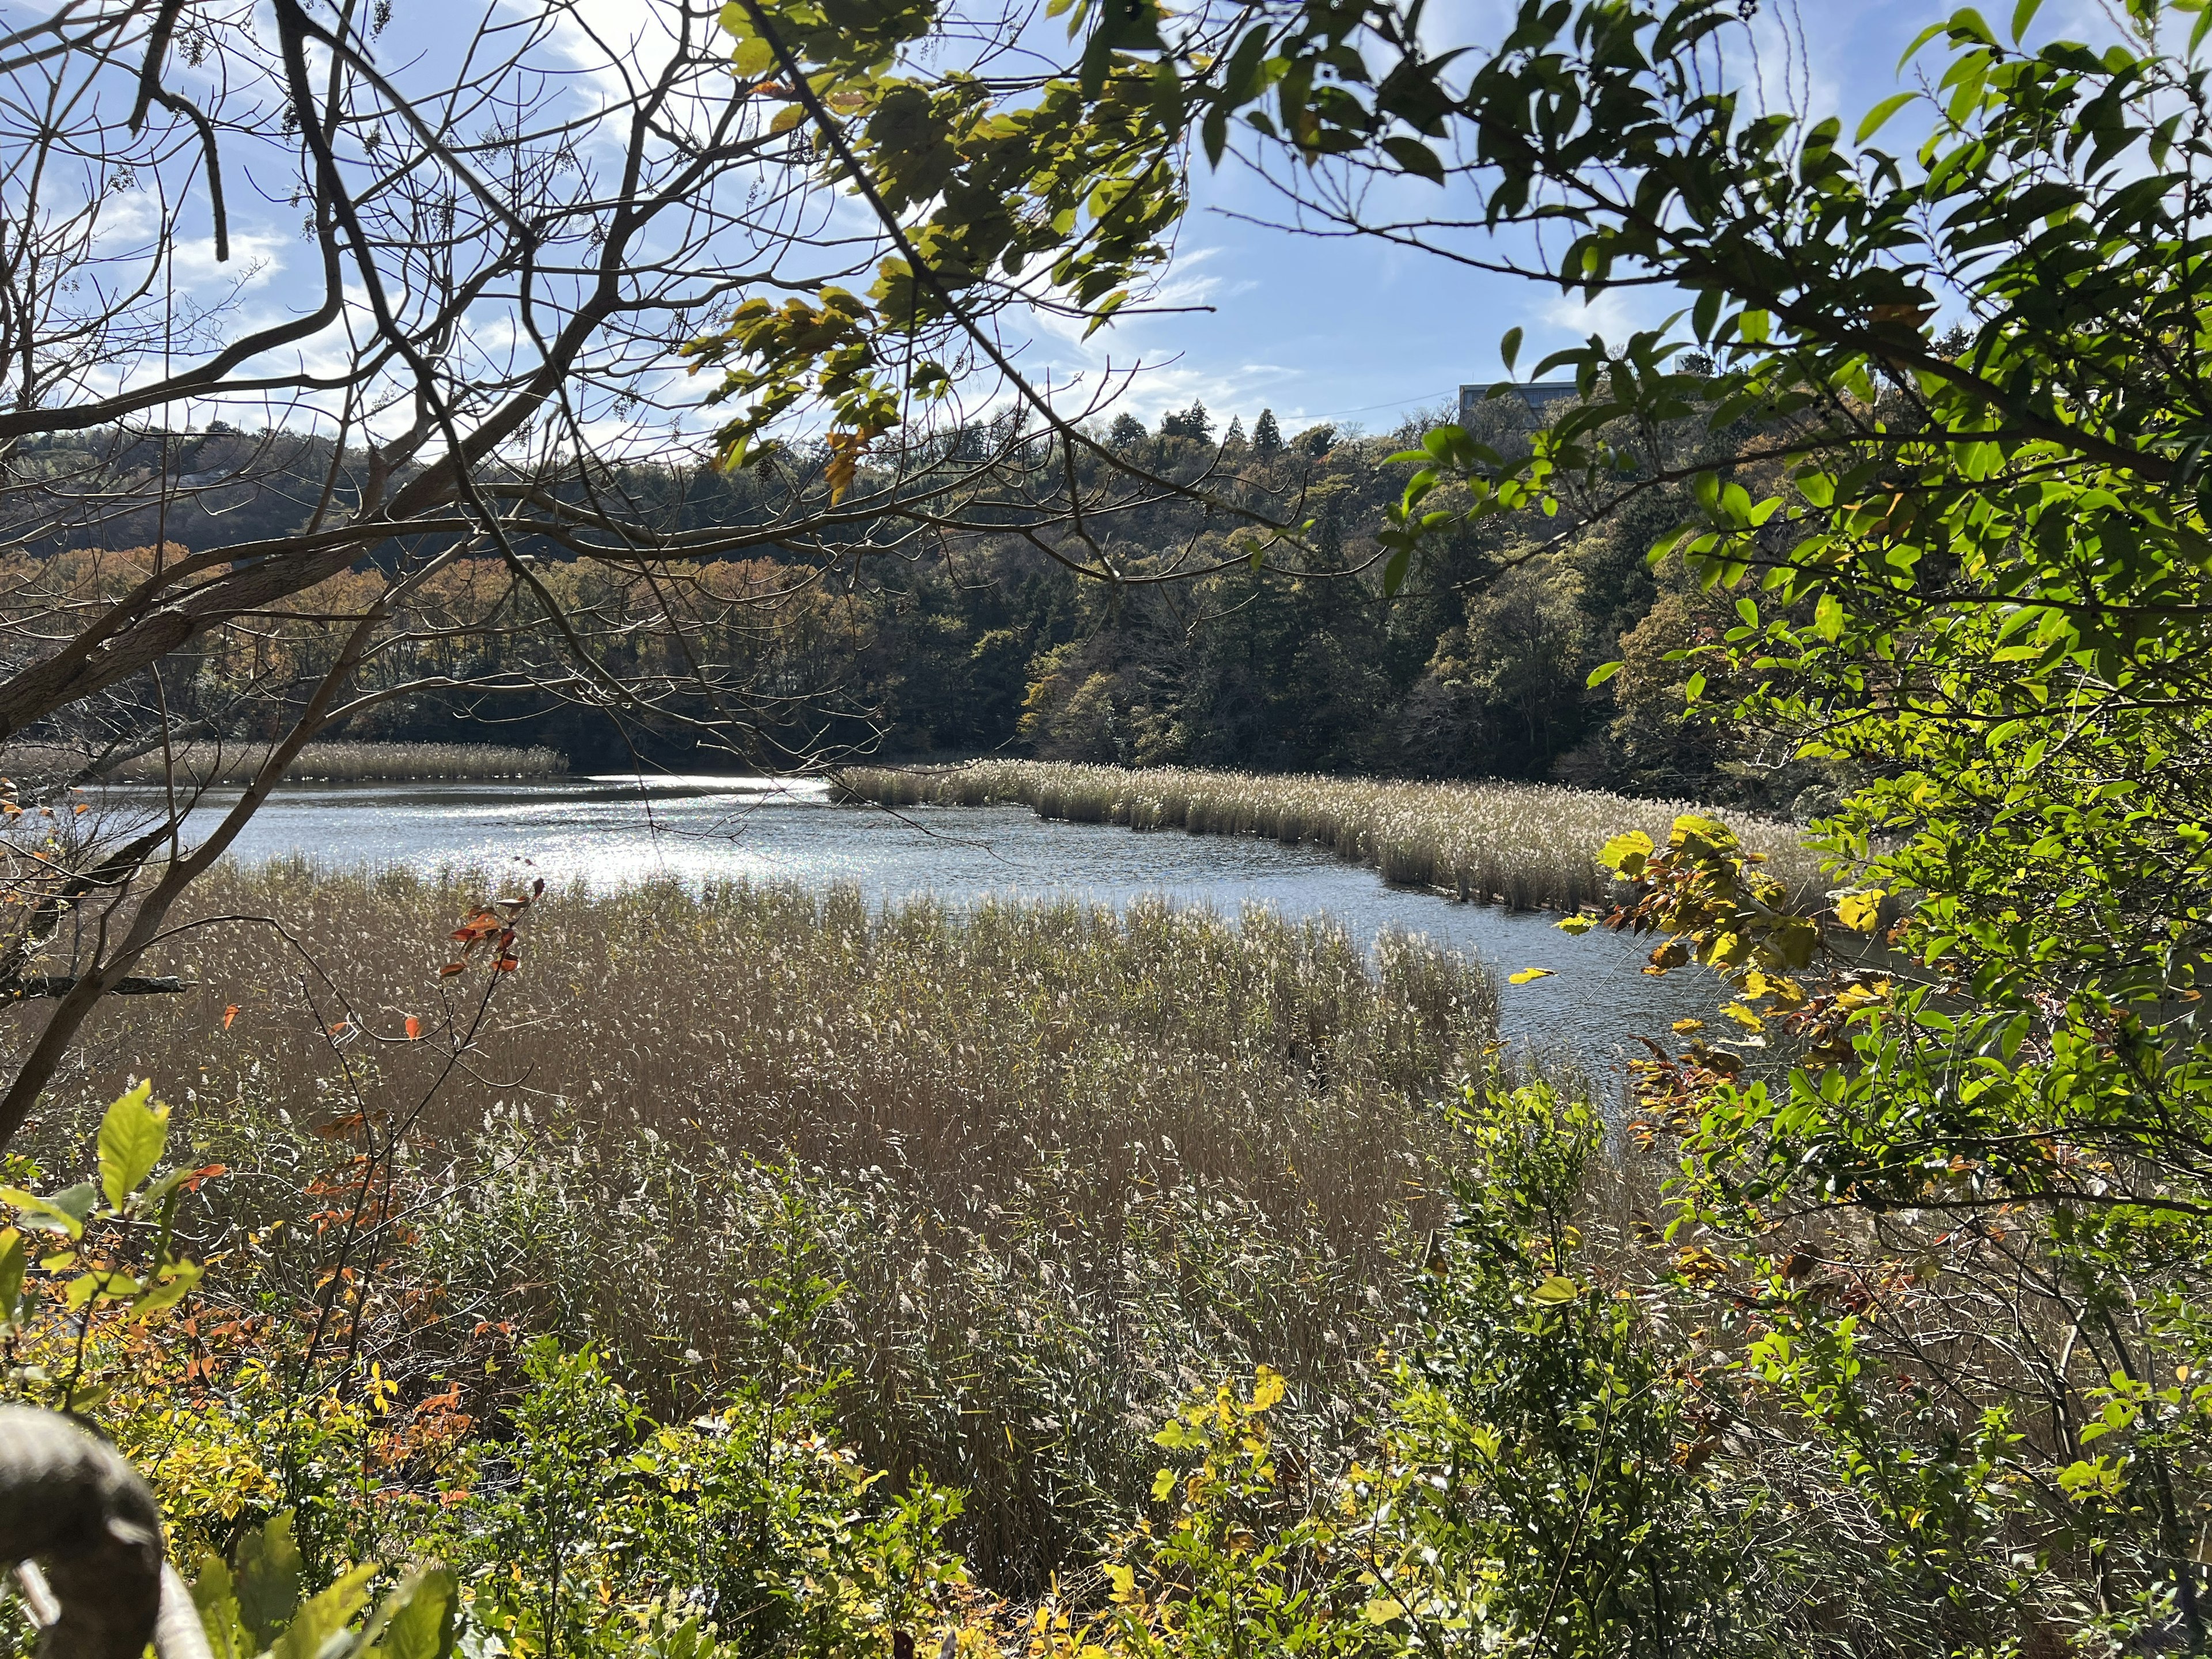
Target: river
[{"x": 613, "y": 831}]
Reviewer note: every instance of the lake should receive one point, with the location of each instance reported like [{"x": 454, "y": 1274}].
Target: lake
[{"x": 613, "y": 831}]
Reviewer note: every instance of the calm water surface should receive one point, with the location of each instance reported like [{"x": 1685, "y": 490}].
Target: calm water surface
[{"x": 611, "y": 831}]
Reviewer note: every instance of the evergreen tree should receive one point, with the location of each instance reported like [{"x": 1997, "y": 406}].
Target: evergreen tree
[
  {"x": 1266, "y": 436},
  {"x": 1234, "y": 438},
  {"x": 1192, "y": 423},
  {"x": 1126, "y": 430}
]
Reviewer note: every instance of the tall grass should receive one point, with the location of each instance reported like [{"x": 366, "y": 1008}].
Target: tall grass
[
  {"x": 1528, "y": 847},
  {"x": 1044, "y": 1168},
  {"x": 332, "y": 763}
]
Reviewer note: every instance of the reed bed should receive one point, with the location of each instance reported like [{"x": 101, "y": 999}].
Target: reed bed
[
  {"x": 326, "y": 763},
  {"x": 1021, "y": 1174},
  {"x": 1528, "y": 847}
]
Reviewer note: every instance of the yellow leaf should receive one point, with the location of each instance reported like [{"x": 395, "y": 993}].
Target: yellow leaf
[
  {"x": 754, "y": 58},
  {"x": 1527, "y": 974},
  {"x": 1786, "y": 992},
  {"x": 1556, "y": 1289},
  {"x": 1575, "y": 924},
  {"x": 1687, "y": 1026},
  {"x": 1743, "y": 1017},
  {"x": 1860, "y": 912},
  {"x": 1627, "y": 853}
]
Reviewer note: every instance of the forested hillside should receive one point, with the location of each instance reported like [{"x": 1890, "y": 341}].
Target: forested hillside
[{"x": 1476, "y": 667}]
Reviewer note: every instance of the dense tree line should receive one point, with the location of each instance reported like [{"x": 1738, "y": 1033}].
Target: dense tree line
[{"x": 1476, "y": 666}]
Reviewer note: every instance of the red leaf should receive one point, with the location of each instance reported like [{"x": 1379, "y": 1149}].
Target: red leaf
[{"x": 414, "y": 1028}]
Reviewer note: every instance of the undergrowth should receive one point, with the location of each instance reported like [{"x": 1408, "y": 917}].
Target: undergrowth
[{"x": 1005, "y": 1181}]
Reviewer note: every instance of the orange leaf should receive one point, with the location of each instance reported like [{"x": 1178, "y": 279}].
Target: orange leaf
[
  {"x": 450, "y": 969},
  {"x": 506, "y": 965},
  {"x": 338, "y": 1027},
  {"x": 228, "y": 1015},
  {"x": 414, "y": 1028}
]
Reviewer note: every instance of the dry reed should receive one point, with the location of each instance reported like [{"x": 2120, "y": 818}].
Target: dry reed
[
  {"x": 1528, "y": 847},
  {"x": 330, "y": 763},
  {"x": 1065, "y": 1163}
]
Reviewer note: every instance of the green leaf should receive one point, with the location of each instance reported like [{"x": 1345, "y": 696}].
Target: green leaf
[
  {"x": 172, "y": 1287},
  {"x": 1706, "y": 313},
  {"x": 2022, "y": 16},
  {"x": 324, "y": 1616},
  {"x": 1215, "y": 132},
  {"x": 1968, "y": 21},
  {"x": 131, "y": 1137},
  {"x": 217, "y": 1602},
  {"x": 14, "y": 1262},
  {"x": 1879, "y": 114},
  {"x": 1556, "y": 1289},
  {"x": 1920, "y": 40},
  {"x": 268, "y": 1578},
  {"x": 1415, "y": 157},
  {"x": 416, "y": 1619},
  {"x": 64, "y": 1213},
  {"x": 1601, "y": 673},
  {"x": 1510, "y": 347},
  {"x": 1828, "y": 617}
]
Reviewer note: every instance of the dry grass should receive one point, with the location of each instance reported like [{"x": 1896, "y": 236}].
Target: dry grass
[
  {"x": 1066, "y": 1163},
  {"x": 330, "y": 763},
  {"x": 1529, "y": 847}
]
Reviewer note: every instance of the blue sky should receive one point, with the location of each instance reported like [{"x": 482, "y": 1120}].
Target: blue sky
[
  {"x": 1354, "y": 331},
  {"x": 1346, "y": 330}
]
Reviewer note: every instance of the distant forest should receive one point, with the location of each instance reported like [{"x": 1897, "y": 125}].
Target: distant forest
[{"x": 1476, "y": 668}]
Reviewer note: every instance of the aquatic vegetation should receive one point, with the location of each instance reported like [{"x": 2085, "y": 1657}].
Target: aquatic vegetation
[
  {"x": 348, "y": 762},
  {"x": 330, "y": 763},
  {"x": 1008, "y": 1180},
  {"x": 1529, "y": 847}
]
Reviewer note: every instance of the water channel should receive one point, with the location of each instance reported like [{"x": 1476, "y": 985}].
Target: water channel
[{"x": 614, "y": 831}]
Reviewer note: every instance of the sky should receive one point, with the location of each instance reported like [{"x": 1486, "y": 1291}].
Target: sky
[{"x": 1346, "y": 330}]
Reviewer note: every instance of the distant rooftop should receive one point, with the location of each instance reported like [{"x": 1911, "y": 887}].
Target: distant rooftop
[{"x": 1538, "y": 395}]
